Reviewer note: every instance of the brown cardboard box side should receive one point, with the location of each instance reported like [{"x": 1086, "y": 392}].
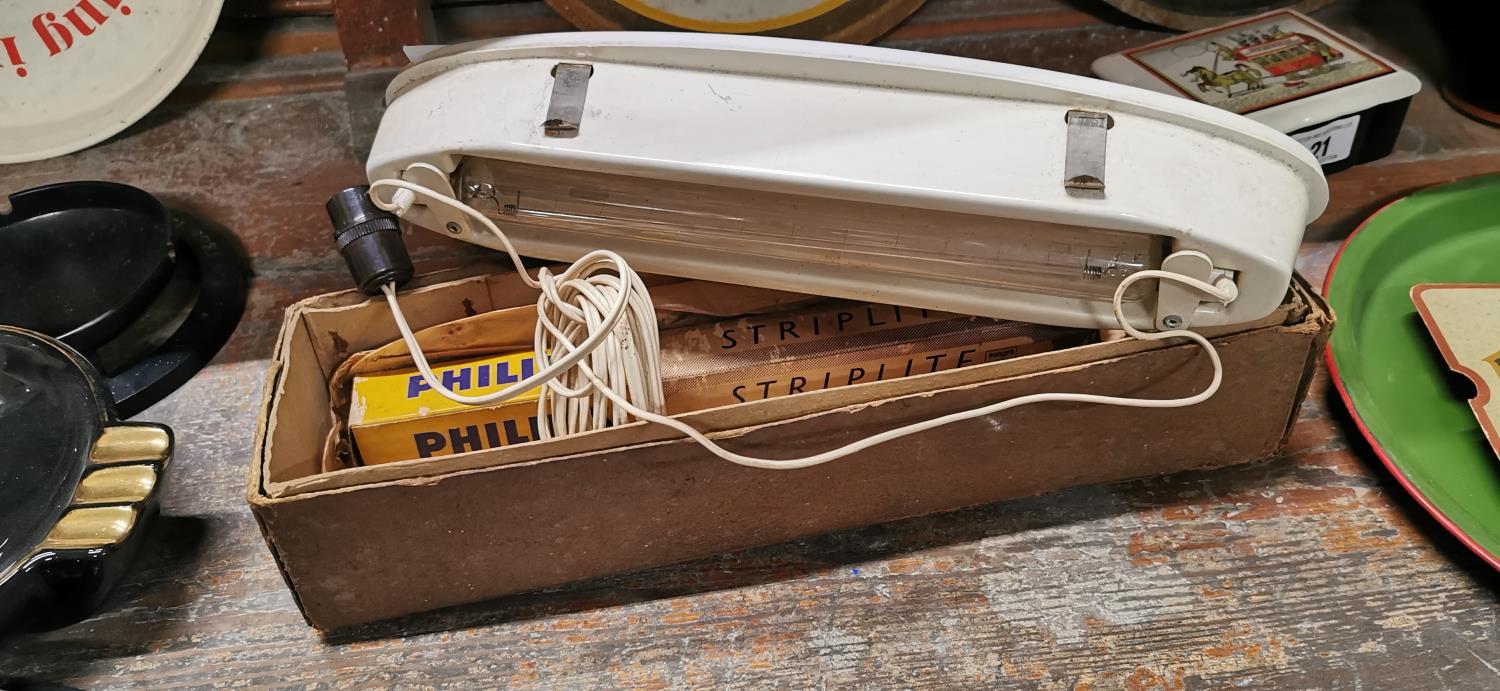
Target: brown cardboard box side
[
  {"x": 334, "y": 325},
  {"x": 481, "y": 525}
]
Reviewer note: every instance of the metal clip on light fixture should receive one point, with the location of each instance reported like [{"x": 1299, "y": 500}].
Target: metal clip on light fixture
[{"x": 849, "y": 171}]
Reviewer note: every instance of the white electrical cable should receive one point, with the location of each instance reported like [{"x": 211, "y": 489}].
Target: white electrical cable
[
  {"x": 582, "y": 313},
  {"x": 623, "y": 354}
]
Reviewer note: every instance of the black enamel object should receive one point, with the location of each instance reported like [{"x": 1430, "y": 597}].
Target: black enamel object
[
  {"x": 190, "y": 321},
  {"x": 146, "y": 294},
  {"x": 85, "y": 259},
  {"x": 76, "y": 485}
]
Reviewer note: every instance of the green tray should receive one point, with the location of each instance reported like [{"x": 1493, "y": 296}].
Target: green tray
[{"x": 1384, "y": 363}]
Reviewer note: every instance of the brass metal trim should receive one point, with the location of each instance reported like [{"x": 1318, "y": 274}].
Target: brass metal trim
[
  {"x": 122, "y": 484},
  {"x": 93, "y": 527},
  {"x": 131, "y": 444}
]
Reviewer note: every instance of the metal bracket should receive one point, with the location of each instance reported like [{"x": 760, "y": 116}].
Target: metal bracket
[
  {"x": 1083, "y": 167},
  {"x": 570, "y": 86}
]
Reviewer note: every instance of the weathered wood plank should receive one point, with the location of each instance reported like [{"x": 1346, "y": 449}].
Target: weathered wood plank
[
  {"x": 274, "y": 8},
  {"x": 373, "y": 32}
]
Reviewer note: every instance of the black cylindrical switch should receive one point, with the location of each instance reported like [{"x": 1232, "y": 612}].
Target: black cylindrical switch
[{"x": 370, "y": 240}]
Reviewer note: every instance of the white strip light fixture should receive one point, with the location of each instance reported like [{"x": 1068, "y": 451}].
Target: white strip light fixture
[{"x": 850, "y": 171}]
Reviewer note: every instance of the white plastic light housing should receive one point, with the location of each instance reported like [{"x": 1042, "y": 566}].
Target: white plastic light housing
[{"x": 851, "y": 171}]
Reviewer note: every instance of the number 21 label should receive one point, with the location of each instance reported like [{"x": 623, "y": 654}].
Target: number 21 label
[{"x": 1332, "y": 142}]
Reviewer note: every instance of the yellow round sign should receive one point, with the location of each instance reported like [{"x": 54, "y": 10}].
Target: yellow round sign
[
  {"x": 854, "y": 21},
  {"x": 731, "y": 16}
]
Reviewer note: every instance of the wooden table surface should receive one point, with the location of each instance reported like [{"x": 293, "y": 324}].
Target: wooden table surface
[{"x": 1309, "y": 570}]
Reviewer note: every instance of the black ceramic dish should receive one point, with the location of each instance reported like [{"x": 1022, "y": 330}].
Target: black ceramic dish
[
  {"x": 146, "y": 294},
  {"x": 190, "y": 321},
  {"x": 87, "y": 257},
  {"x": 76, "y": 485}
]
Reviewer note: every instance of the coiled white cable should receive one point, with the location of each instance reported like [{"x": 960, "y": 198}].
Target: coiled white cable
[{"x": 612, "y": 374}]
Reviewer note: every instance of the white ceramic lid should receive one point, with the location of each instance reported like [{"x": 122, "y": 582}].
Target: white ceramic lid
[
  {"x": 1281, "y": 68},
  {"x": 74, "y": 72}
]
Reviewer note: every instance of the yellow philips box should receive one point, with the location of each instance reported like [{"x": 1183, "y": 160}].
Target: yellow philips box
[{"x": 395, "y": 416}]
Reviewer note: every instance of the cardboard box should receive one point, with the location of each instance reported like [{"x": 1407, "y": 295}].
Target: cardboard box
[
  {"x": 394, "y": 415},
  {"x": 842, "y": 343},
  {"x": 362, "y": 544}
]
